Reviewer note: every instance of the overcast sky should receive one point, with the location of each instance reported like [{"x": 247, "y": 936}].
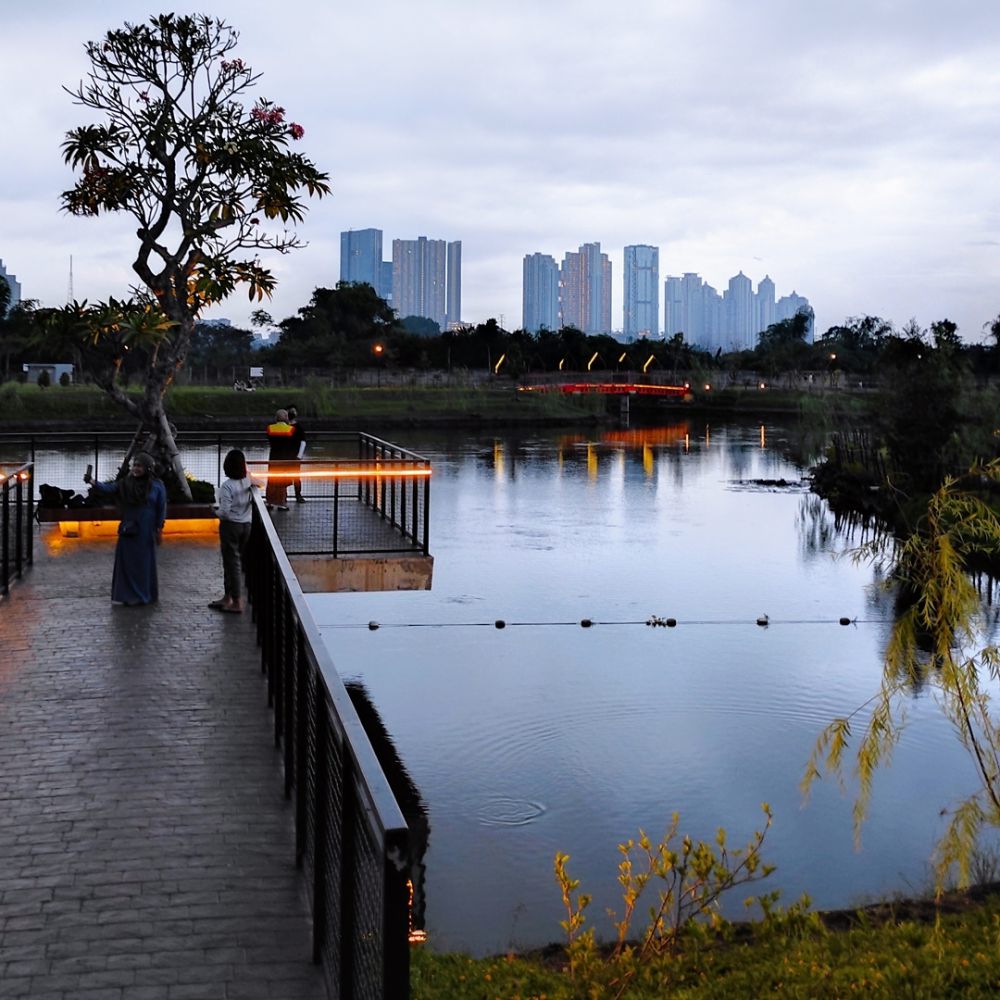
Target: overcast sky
[{"x": 848, "y": 148}]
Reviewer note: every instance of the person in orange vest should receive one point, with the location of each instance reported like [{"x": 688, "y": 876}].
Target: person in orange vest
[{"x": 282, "y": 450}]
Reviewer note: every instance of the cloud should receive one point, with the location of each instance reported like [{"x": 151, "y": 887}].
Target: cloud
[{"x": 850, "y": 146}]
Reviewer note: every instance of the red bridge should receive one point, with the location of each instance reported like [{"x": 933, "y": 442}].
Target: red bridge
[{"x": 612, "y": 389}]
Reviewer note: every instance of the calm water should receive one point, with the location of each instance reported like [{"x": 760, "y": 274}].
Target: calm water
[{"x": 547, "y": 737}]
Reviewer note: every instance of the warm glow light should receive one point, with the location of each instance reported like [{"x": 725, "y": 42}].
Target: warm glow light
[
  {"x": 351, "y": 473},
  {"x": 763, "y": 385},
  {"x": 622, "y": 358},
  {"x": 649, "y": 361},
  {"x": 707, "y": 387},
  {"x": 590, "y": 363},
  {"x": 496, "y": 367},
  {"x": 377, "y": 349},
  {"x": 562, "y": 361},
  {"x": 23, "y": 476}
]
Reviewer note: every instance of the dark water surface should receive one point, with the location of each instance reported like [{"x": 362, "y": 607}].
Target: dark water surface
[{"x": 549, "y": 737}]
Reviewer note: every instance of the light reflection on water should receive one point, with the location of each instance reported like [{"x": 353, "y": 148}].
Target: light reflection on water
[{"x": 542, "y": 738}]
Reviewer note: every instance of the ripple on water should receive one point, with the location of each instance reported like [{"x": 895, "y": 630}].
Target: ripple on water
[{"x": 504, "y": 811}]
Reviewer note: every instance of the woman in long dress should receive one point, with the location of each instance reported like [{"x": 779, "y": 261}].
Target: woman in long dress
[{"x": 142, "y": 503}]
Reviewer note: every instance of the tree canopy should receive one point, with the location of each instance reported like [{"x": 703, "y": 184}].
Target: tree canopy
[{"x": 210, "y": 181}]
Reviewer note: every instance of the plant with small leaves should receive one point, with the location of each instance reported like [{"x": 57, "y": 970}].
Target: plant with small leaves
[
  {"x": 691, "y": 877},
  {"x": 942, "y": 639}
]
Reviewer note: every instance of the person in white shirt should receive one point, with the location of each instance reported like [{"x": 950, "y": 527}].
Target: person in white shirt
[{"x": 234, "y": 506}]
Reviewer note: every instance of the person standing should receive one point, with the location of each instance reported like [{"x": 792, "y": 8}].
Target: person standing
[
  {"x": 235, "y": 504},
  {"x": 142, "y": 502},
  {"x": 299, "y": 439},
  {"x": 281, "y": 451}
]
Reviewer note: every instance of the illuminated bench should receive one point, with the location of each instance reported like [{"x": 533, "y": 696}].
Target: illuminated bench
[{"x": 95, "y": 522}]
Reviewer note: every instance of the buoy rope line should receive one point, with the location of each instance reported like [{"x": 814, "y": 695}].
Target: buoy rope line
[{"x": 653, "y": 621}]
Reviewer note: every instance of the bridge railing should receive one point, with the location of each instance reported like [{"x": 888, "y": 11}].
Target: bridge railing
[
  {"x": 350, "y": 835},
  {"x": 16, "y": 508},
  {"x": 356, "y": 469}
]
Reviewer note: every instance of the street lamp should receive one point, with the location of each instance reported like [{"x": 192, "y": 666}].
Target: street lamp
[{"x": 378, "y": 350}]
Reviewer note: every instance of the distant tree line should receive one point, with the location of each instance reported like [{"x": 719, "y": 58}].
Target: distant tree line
[{"x": 350, "y": 327}]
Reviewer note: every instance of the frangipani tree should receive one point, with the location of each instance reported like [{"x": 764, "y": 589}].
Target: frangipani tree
[{"x": 208, "y": 176}]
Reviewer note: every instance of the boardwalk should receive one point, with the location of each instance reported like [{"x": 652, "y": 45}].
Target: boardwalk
[{"x": 146, "y": 850}]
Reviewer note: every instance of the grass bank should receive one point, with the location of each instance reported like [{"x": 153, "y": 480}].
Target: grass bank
[
  {"x": 353, "y": 407},
  {"x": 405, "y": 406},
  {"x": 904, "y": 949}
]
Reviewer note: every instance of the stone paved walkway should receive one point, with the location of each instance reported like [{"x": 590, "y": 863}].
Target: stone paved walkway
[{"x": 146, "y": 849}]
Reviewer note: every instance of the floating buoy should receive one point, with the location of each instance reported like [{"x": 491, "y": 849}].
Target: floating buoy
[
  {"x": 762, "y": 621},
  {"x": 585, "y": 623},
  {"x": 500, "y": 623},
  {"x": 671, "y": 623},
  {"x": 845, "y": 621},
  {"x": 372, "y": 626}
]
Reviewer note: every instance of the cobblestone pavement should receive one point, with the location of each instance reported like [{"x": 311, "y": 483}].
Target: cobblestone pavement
[{"x": 146, "y": 848}]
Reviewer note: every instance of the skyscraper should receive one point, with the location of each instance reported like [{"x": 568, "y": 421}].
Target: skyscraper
[
  {"x": 427, "y": 279},
  {"x": 453, "y": 303},
  {"x": 641, "y": 301},
  {"x": 585, "y": 290},
  {"x": 738, "y": 298},
  {"x": 13, "y": 284},
  {"x": 764, "y": 304},
  {"x": 788, "y": 305},
  {"x": 540, "y": 293},
  {"x": 361, "y": 258}
]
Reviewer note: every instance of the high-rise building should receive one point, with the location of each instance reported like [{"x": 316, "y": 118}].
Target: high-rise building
[
  {"x": 763, "y": 303},
  {"x": 585, "y": 290},
  {"x": 361, "y": 259},
  {"x": 641, "y": 300},
  {"x": 13, "y": 284},
  {"x": 453, "y": 298},
  {"x": 738, "y": 299},
  {"x": 540, "y": 293},
  {"x": 427, "y": 279},
  {"x": 788, "y": 305}
]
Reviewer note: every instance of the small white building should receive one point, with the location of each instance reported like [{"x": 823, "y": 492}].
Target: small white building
[{"x": 56, "y": 370}]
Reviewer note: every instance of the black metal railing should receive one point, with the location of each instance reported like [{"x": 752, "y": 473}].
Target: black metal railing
[
  {"x": 17, "y": 491},
  {"x": 352, "y": 471},
  {"x": 350, "y": 835}
]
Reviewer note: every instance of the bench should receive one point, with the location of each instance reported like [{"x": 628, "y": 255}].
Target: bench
[{"x": 182, "y": 518}]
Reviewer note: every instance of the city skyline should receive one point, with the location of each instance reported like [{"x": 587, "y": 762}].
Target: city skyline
[{"x": 854, "y": 162}]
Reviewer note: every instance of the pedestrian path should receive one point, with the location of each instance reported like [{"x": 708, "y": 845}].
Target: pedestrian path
[{"x": 146, "y": 849}]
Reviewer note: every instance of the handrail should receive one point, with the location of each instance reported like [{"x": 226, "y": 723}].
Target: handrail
[
  {"x": 351, "y": 837},
  {"x": 15, "y": 525}
]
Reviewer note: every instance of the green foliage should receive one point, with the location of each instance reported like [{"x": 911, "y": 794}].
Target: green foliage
[
  {"x": 885, "y": 954},
  {"x": 939, "y": 639},
  {"x": 689, "y": 876},
  {"x": 64, "y": 379},
  {"x": 44, "y": 379}
]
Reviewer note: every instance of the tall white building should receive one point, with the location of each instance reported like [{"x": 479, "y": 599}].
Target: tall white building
[
  {"x": 540, "y": 293},
  {"x": 427, "y": 279},
  {"x": 585, "y": 290},
  {"x": 641, "y": 299}
]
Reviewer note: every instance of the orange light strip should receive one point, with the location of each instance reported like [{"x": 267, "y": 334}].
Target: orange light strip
[{"x": 290, "y": 471}]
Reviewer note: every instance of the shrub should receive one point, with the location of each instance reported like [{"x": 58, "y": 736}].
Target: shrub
[{"x": 44, "y": 379}]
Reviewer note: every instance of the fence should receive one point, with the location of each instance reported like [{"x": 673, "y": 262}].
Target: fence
[
  {"x": 358, "y": 474},
  {"x": 17, "y": 492},
  {"x": 350, "y": 835}
]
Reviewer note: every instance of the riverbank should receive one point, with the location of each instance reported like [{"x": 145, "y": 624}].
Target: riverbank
[
  {"x": 905, "y": 948},
  {"x": 81, "y": 407}
]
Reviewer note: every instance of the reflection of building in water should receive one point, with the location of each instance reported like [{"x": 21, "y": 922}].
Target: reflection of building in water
[
  {"x": 648, "y": 436},
  {"x": 407, "y": 795}
]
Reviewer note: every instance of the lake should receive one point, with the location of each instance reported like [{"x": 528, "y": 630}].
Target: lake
[{"x": 545, "y": 736}]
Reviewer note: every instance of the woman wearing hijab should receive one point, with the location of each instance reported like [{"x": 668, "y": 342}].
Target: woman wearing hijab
[{"x": 142, "y": 503}]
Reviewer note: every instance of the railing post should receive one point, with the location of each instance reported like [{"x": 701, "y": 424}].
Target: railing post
[
  {"x": 321, "y": 822},
  {"x": 395, "y": 922},
  {"x": 19, "y": 524},
  {"x": 29, "y": 533},
  {"x": 427, "y": 515},
  {"x": 348, "y": 883},
  {"x": 336, "y": 516},
  {"x": 6, "y": 536}
]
